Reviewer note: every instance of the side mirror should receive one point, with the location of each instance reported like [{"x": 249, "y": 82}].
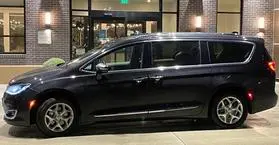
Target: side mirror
[{"x": 102, "y": 68}]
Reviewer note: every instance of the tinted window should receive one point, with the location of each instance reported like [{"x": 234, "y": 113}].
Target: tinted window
[
  {"x": 173, "y": 53},
  {"x": 121, "y": 59},
  {"x": 227, "y": 52}
]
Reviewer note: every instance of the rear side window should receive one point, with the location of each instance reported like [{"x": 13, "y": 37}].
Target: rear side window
[
  {"x": 171, "y": 53},
  {"x": 229, "y": 52}
]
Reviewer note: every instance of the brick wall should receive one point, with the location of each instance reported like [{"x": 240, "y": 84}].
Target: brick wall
[
  {"x": 60, "y": 47},
  {"x": 252, "y": 11},
  {"x": 189, "y": 9}
]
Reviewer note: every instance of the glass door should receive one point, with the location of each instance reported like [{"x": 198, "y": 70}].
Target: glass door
[
  {"x": 105, "y": 31},
  {"x": 135, "y": 28}
]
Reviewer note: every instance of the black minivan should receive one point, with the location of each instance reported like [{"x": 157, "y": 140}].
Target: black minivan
[{"x": 152, "y": 76}]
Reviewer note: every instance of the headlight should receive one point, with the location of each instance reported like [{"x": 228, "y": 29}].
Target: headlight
[{"x": 17, "y": 89}]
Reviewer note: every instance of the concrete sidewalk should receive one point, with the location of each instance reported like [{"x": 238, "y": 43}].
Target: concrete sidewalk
[{"x": 2, "y": 90}]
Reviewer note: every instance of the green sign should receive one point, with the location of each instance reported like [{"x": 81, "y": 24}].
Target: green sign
[{"x": 124, "y": 2}]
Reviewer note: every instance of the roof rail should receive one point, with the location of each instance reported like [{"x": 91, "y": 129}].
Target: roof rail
[{"x": 233, "y": 33}]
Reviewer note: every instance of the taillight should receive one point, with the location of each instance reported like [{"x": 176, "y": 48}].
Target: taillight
[{"x": 272, "y": 65}]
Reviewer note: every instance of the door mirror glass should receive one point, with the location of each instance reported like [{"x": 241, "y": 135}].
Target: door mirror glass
[{"x": 102, "y": 68}]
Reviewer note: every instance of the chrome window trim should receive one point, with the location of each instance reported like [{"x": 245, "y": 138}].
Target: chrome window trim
[
  {"x": 174, "y": 67},
  {"x": 171, "y": 110},
  {"x": 146, "y": 112},
  {"x": 121, "y": 114}
]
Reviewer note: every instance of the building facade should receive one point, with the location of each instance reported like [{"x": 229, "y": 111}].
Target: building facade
[{"x": 32, "y": 31}]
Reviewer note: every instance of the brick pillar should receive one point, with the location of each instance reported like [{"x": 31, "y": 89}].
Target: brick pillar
[
  {"x": 189, "y": 9},
  {"x": 252, "y": 11},
  {"x": 210, "y": 15},
  {"x": 60, "y": 47}
]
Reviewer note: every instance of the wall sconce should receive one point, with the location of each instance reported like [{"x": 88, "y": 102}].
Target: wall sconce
[
  {"x": 261, "y": 23},
  {"x": 198, "y": 23},
  {"x": 47, "y": 20}
]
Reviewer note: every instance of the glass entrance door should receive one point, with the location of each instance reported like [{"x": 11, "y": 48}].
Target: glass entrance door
[{"x": 107, "y": 30}]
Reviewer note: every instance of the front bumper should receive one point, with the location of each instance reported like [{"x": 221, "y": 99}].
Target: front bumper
[{"x": 16, "y": 111}]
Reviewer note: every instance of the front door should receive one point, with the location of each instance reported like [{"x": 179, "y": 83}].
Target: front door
[{"x": 118, "y": 93}]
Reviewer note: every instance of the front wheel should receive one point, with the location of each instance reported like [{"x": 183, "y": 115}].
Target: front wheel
[
  {"x": 229, "y": 110},
  {"x": 56, "y": 117}
]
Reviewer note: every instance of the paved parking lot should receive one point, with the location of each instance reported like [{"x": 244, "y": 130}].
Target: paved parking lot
[{"x": 259, "y": 129}]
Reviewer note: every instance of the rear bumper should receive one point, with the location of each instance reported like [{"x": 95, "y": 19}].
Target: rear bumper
[{"x": 263, "y": 102}]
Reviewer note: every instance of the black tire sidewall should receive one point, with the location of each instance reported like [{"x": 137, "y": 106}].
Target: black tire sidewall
[
  {"x": 215, "y": 117},
  {"x": 40, "y": 118}
]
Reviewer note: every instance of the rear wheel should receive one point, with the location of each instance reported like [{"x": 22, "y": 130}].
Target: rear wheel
[
  {"x": 56, "y": 117},
  {"x": 229, "y": 110}
]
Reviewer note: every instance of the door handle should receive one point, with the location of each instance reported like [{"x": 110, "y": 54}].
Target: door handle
[
  {"x": 156, "y": 78},
  {"x": 140, "y": 80}
]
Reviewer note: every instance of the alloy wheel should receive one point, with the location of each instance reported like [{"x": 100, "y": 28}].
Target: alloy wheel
[
  {"x": 59, "y": 117},
  {"x": 230, "y": 110}
]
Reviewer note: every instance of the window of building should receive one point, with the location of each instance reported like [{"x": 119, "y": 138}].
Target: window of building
[
  {"x": 175, "y": 53},
  {"x": 128, "y": 5},
  {"x": 169, "y": 6},
  {"x": 229, "y": 52},
  {"x": 169, "y": 16},
  {"x": 80, "y": 4},
  {"x": 169, "y": 22},
  {"x": 12, "y": 26},
  {"x": 79, "y": 33},
  {"x": 229, "y": 16},
  {"x": 276, "y": 4}
]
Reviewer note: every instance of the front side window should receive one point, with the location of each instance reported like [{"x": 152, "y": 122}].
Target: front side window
[
  {"x": 125, "y": 58},
  {"x": 172, "y": 53},
  {"x": 229, "y": 52}
]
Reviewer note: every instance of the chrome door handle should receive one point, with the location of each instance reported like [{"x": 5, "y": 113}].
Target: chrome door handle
[
  {"x": 140, "y": 80},
  {"x": 156, "y": 78}
]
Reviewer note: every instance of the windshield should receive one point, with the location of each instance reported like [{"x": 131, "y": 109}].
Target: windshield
[{"x": 94, "y": 51}]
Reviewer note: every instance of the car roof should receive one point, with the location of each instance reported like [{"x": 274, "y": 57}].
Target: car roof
[{"x": 185, "y": 35}]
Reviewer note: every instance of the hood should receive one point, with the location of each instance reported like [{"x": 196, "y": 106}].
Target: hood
[{"x": 43, "y": 73}]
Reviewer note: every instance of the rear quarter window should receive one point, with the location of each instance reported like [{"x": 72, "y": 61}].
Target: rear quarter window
[{"x": 229, "y": 52}]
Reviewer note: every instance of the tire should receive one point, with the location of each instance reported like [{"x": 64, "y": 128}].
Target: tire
[
  {"x": 226, "y": 116},
  {"x": 50, "y": 113}
]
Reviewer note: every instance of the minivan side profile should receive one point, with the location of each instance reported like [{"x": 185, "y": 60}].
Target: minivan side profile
[{"x": 152, "y": 76}]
